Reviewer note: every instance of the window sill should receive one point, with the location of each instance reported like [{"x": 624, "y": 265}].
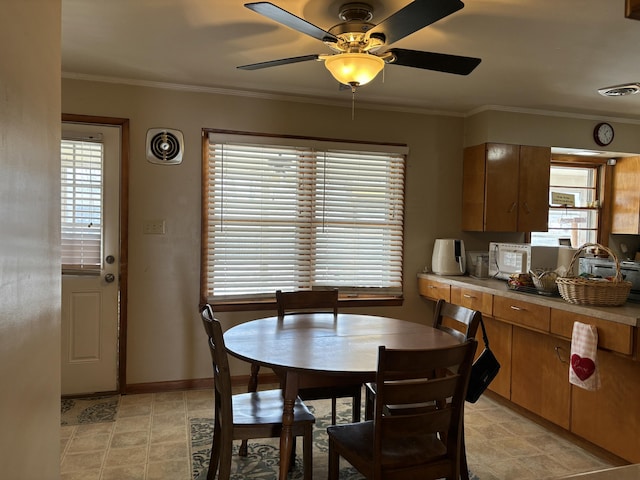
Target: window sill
[{"x": 270, "y": 304}]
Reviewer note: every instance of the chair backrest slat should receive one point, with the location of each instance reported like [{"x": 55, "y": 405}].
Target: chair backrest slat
[
  {"x": 316, "y": 300},
  {"x": 404, "y": 426},
  {"x": 434, "y": 389}
]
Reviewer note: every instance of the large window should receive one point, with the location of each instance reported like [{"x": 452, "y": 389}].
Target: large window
[
  {"x": 296, "y": 214},
  {"x": 574, "y": 206},
  {"x": 81, "y": 205}
]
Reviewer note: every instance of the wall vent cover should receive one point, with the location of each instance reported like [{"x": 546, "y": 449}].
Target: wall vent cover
[{"x": 165, "y": 146}]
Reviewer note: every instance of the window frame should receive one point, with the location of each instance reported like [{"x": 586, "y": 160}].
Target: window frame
[
  {"x": 598, "y": 165},
  {"x": 268, "y": 302}
]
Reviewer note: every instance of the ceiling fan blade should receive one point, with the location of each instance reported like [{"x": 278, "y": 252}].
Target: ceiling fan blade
[
  {"x": 416, "y": 15},
  {"x": 275, "y": 63},
  {"x": 439, "y": 62},
  {"x": 280, "y": 15}
]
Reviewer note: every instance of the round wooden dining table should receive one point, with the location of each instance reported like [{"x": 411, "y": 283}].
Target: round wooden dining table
[{"x": 310, "y": 345}]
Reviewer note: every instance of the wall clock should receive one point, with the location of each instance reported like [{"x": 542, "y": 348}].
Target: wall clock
[{"x": 603, "y": 134}]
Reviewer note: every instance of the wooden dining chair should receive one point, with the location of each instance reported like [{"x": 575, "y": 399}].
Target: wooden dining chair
[
  {"x": 336, "y": 387},
  {"x": 329, "y": 386},
  {"x": 247, "y": 415},
  {"x": 462, "y": 323},
  {"x": 410, "y": 445}
]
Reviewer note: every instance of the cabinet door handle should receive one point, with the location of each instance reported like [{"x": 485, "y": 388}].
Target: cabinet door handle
[
  {"x": 519, "y": 309},
  {"x": 466, "y": 295},
  {"x": 562, "y": 360},
  {"x": 526, "y": 207},
  {"x": 430, "y": 286},
  {"x": 513, "y": 205}
]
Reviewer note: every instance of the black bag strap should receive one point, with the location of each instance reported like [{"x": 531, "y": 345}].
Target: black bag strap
[{"x": 484, "y": 335}]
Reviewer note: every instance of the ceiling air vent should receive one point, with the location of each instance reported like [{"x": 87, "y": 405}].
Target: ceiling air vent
[
  {"x": 164, "y": 146},
  {"x": 620, "y": 90}
]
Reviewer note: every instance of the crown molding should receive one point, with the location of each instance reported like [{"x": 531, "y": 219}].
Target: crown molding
[{"x": 299, "y": 98}]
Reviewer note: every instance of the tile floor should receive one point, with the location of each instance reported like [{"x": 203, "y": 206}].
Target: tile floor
[
  {"x": 504, "y": 445},
  {"x": 150, "y": 440}
]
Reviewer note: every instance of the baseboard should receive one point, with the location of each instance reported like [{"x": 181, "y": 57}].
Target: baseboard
[{"x": 194, "y": 384}]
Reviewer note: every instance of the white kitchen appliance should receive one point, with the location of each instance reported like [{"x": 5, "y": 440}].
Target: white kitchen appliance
[
  {"x": 508, "y": 258},
  {"x": 448, "y": 257}
]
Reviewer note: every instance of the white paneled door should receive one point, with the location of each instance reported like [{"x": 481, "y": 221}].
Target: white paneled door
[{"x": 90, "y": 185}]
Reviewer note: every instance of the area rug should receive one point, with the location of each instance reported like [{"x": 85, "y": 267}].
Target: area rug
[
  {"x": 262, "y": 460},
  {"x": 76, "y": 411}
]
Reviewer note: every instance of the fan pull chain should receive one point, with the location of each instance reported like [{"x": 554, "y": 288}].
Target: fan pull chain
[{"x": 353, "y": 102}]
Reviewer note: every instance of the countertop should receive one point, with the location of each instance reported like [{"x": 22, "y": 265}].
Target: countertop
[{"x": 627, "y": 314}]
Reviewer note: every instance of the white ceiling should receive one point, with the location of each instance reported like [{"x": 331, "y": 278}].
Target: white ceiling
[{"x": 549, "y": 55}]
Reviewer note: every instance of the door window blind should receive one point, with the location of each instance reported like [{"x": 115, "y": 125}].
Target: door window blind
[
  {"x": 81, "y": 205},
  {"x": 296, "y": 215}
]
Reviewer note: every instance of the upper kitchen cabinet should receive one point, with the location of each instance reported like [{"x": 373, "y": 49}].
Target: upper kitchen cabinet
[
  {"x": 505, "y": 188},
  {"x": 625, "y": 210}
]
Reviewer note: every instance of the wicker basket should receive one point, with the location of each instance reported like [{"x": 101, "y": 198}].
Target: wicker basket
[{"x": 600, "y": 292}]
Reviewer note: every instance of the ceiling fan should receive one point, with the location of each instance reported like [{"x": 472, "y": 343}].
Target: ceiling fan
[{"x": 361, "y": 48}]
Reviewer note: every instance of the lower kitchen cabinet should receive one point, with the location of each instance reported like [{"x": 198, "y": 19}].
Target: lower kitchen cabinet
[
  {"x": 539, "y": 378},
  {"x": 611, "y": 336},
  {"x": 532, "y": 341},
  {"x": 500, "y": 342},
  {"x": 473, "y": 299},
  {"x": 610, "y": 416},
  {"x": 434, "y": 290}
]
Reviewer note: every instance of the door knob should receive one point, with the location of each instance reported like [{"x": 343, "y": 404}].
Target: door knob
[{"x": 109, "y": 277}]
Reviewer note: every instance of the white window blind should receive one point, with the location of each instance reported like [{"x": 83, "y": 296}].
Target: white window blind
[
  {"x": 81, "y": 205},
  {"x": 295, "y": 215}
]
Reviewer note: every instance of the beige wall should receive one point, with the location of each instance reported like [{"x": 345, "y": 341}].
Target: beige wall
[
  {"x": 29, "y": 238},
  {"x": 165, "y": 336},
  {"x": 548, "y": 130}
]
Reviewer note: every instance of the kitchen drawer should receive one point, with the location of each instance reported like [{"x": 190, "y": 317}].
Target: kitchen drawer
[
  {"x": 473, "y": 299},
  {"x": 522, "y": 313},
  {"x": 433, "y": 289},
  {"x": 611, "y": 336}
]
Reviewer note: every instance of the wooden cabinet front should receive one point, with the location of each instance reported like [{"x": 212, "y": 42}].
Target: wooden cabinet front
[
  {"x": 625, "y": 211},
  {"x": 434, "y": 290},
  {"x": 611, "y": 336},
  {"x": 505, "y": 188},
  {"x": 533, "y": 192},
  {"x": 473, "y": 299},
  {"x": 610, "y": 416},
  {"x": 501, "y": 188},
  {"x": 540, "y": 376},
  {"x": 500, "y": 341},
  {"x": 522, "y": 313}
]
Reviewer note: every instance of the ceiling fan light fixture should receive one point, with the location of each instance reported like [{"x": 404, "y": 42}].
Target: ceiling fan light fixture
[
  {"x": 354, "y": 69},
  {"x": 620, "y": 90}
]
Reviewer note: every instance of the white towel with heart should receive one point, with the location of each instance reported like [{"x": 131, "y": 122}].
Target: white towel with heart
[{"x": 583, "y": 368}]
